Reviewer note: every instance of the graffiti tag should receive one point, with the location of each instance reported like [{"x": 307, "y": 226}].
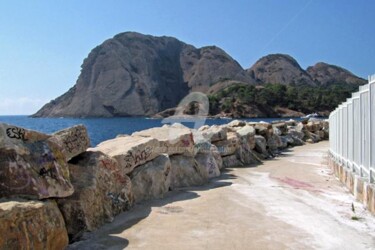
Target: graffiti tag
[
  {"x": 16, "y": 133},
  {"x": 134, "y": 158},
  {"x": 76, "y": 140},
  {"x": 111, "y": 166}
]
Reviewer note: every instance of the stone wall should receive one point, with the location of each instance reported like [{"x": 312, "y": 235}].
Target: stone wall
[{"x": 54, "y": 187}]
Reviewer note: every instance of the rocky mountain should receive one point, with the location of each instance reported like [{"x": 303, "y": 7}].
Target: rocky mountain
[
  {"x": 284, "y": 69},
  {"x": 326, "y": 74},
  {"x": 279, "y": 68},
  {"x": 133, "y": 74}
]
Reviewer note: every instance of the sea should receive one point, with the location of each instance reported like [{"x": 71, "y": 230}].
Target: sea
[{"x": 101, "y": 129}]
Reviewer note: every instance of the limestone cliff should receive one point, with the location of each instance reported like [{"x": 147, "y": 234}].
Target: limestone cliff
[
  {"x": 326, "y": 74},
  {"x": 279, "y": 68},
  {"x": 135, "y": 75}
]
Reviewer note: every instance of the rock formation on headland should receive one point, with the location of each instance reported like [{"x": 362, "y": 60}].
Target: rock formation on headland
[
  {"x": 53, "y": 188},
  {"x": 279, "y": 68},
  {"x": 133, "y": 74},
  {"x": 326, "y": 74}
]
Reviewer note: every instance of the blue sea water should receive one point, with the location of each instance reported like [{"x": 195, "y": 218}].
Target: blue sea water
[{"x": 101, "y": 129}]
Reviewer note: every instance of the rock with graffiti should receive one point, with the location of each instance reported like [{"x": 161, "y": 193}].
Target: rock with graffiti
[
  {"x": 130, "y": 151},
  {"x": 187, "y": 172},
  {"x": 31, "y": 165},
  {"x": 264, "y": 129},
  {"x": 246, "y": 156},
  {"x": 228, "y": 146},
  {"x": 274, "y": 143},
  {"x": 102, "y": 191},
  {"x": 247, "y": 135},
  {"x": 231, "y": 161},
  {"x": 210, "y": 162},
  {"x": 31, "y": 225},
  {"x": 153, "y": 179},
  {"x": 73, "y": 141},
  {"x": 94, "y": 185},
  {"x": 261, "y": 147},
  {"x": 172, "y": 139},
  {"x": 214, "y": 133}
]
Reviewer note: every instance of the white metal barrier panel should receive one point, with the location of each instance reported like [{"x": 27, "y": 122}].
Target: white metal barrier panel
[{"x": 352, "y": 131}]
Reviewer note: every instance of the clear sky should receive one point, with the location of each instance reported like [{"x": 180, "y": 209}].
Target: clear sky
[{"x": 43, "y": 43}]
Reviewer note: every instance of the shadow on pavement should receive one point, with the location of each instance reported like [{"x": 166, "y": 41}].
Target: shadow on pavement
[{"x": 141, "y": 211}]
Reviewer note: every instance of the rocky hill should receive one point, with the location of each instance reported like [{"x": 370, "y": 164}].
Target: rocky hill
[
  {"x": 279, "y": 68},
  {"x": 133, "y": 74},
  {"x": 326, "y": 74}
]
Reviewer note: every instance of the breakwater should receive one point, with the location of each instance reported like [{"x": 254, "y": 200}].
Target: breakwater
[{"x": 53, "y": 188}]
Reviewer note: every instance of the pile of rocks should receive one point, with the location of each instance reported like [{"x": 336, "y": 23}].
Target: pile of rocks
[{"x": 53, "y": 188}]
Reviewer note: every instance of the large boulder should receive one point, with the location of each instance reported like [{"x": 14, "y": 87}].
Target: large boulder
[
  {"x": 205, "y": 151},
  {"x": 246, "y": 155},
  {"x": 214, "y": 151},
  {"x": 262, "y": 128},
  {"x": 244, "y": 152},
  {"x": 230, "y": 145},
  {"x": 274, "y": 143},
  {"x": 290, "y": 123},
  {"x": 130, "y": 151},
  {"x": 32, "y": 165},
  {"x": 210, "y": 161},
  {"x": 313, "y": 126},
  {"x": 102, "y": 190},
  {"x": 73, "y": 140},
  {"x": 172, "y": 139},
  {"x": 186, "y": 172},
  {"x": 290, "y": 140},
  {"x": 214, "y": 133},
  {"x": 261, "y": 146},
  {"x": 325, "y": 129},
  {"x": 325, "y": 125},
  {"x": 247, "y": 135},
  {"x": 281, "y": 127},
  {"x": 236, "y": 123},
  {"x": 296, "y": 134},
  {"x": 31, "y": 225},
  {"x": 312, "y": 137},
  {"x": 287, "y": 141},
  {"x": 321, "y": 134},
  {"x": 231, "y": 161},
  {"x": 152, "y": 179},
  {"x": 300, "y": 127},
  {"x": 201, "y": 143}
]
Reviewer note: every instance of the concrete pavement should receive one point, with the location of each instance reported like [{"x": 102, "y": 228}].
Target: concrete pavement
[{"x": 291, "y": 202}]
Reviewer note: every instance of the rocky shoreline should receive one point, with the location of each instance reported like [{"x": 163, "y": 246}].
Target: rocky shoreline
[{"x": 53, "y": 188}]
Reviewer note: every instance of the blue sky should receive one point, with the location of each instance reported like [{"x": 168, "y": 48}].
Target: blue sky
[{"x": 43, "y": 43}]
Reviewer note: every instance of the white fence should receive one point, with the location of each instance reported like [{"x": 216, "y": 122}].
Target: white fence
[{"x": 352, "y": 131}]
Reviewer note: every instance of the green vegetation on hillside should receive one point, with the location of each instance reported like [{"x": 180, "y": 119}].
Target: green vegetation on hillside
[{"x": 302, "y": 98}]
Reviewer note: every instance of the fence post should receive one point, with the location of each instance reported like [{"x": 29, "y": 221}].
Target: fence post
[{"x": 371, "y": 124}]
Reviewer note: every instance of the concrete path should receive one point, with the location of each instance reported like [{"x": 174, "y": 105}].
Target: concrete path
[{"x": 291, "y": 202}]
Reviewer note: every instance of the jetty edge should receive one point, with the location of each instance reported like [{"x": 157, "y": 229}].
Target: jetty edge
[{"x": 54, "y": 187}]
